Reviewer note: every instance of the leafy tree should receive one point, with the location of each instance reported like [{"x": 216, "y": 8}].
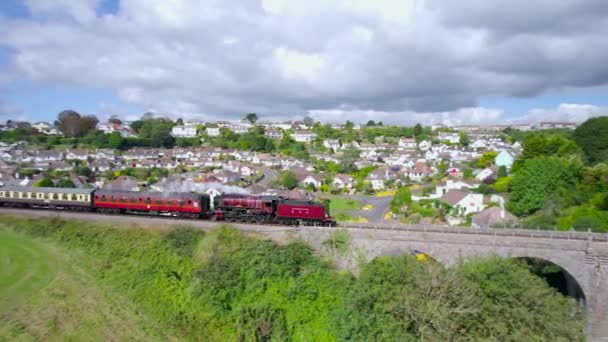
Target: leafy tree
[
  {"x": 536, "y": 182},
  {"x": 308, "y": 121},
  {"x": 65, "y": 183},
  {"x": 418, "y": 130},
  {"x": 115, "y": 140},
  {"x": 349, "y": 125},
  {"x": 487, "y": 159},
  {"x": 592, "y": 137},
  {"x": 73, "y": 125},
  {"x": 402, "y": 197},
  {"x": 44, "y": 183},
  {"x": 179, "y": 121},
  {"x": 371, "y": 123},
  {"x": 288, "y": 179},
  {"x": 502, "y": 172},
  {"x": 464, "y": 139},
  {"x": 348, "y": 159},
  {"x": 252, "y": 118}
]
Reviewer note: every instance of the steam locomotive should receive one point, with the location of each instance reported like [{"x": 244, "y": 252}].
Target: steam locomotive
[{"x": 214, "y": 206}]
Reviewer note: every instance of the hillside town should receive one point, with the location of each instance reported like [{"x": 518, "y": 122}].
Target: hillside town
[{"x": 447, "y": 169}]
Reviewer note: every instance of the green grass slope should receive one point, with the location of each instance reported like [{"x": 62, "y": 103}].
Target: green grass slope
[{"x": 44, "y": 295}]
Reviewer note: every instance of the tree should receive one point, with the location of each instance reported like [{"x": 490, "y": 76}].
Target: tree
[
  {"x": 348, "y": 159},
  {"x": 402, "y": 197},
  {"x": 179, "y": 121},
  {"x": 371, "y": 123},
  {"x": 65, "y": 183},
  {"x": 251, "y": 117},
  {"x": 115, "y": 120},
  {"x": 487, "y": 159},
  {"x": 418, "y": 130},
  {"x": 115, "y": 140},
  {"x": 464, "y": 139},
  {"x": 536, "y": 182},
  {"x": 592, "y": 137},
  {"x": 308, "y": 121},
  {"x": 502, "y": 172},
  {"x": 349, "y": 125},
  {"x": 44, "y": 183},
  {"x": 73, "y": 125},
  {"x": 288, "y": 179}
]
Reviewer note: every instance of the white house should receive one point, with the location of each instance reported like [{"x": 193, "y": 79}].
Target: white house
[
  {"x": 484, "y": 174},
  {"x": 45, "y": 128},
  {"x": 342, "y": 181},
  {"x": 77, "y": 154},
  {"x": 184, "y": 131},
  {"x": 332, "y": 144},
  {"x": 424, "y": 145},
  {"x": 452, "y": 138},
  {"x": 504, "y": 158},
  {"x": 407, "y": 143},
  {"x": 314, "y": 180},
  {"x": 463, "y": 202},
  {"x": 273, "y": 134},
  {"x": 444, "y": 187},
  {"x": 304, "y": 136},
  {"x": 213, "y": 131}
]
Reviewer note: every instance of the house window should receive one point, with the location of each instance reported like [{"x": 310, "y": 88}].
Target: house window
[{"x": 1, "y": 193}]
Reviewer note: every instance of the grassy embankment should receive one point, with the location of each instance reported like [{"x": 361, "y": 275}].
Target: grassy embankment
[
  {"x": 92, "y": 282},
  {"x": 338, "y": 207}
]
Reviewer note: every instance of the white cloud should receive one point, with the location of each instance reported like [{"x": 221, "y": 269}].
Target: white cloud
[
  {"x": 223, "y": 58},
  {"x": 571, "y": 112}
]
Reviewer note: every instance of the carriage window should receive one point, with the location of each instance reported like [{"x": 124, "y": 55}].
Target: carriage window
[
  {"x": 189, "y": 202},
  {"x": 103, "y": 198},
  {"x": 55, "y": 196},
  {"x": 64, "y": 197},
  {"x": 123, "y": 199},
  {"x": 133, "y": 200},
  {"x": 1, "y": 193},
  {"x": 159, "y": 201},
  {"x": 112, "y": 199},
  {"x": 181, "y": 203},
  {"x": 96, "y": 197},
  {"x": 148, "y": 200},
  {"x": 9, "y": 194},
  {"x": 73, "y": 197}
]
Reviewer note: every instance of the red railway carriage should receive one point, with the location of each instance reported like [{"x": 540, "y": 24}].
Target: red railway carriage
[
  {"x": 289, "y": 211},
  {"x": 180, "y": 204}
]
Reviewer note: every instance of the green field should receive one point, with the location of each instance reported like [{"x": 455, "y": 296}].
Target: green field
[
  {"x": 44, "y": 296},
  {"x": 338, "y": 205}
]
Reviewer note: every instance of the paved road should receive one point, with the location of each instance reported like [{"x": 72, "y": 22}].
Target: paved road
[
  {"x": 269, "y": 176},
  {"x": 375, "y": 215}
]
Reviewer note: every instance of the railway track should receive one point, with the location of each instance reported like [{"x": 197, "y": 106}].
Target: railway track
[{"x": 144, "y": 219}]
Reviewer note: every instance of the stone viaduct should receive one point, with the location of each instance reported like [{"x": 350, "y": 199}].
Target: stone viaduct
[{"x": 583, "y": 256}]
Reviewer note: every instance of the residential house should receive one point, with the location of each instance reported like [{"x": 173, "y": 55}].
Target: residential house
[
  {"x": 100, "y": 165},
  {"x": 45, "y": 128},
  {"x": 213, "y": 131},
  {"x": 312, "y": 180},
  {"x": 184, "y": 131},
  {"x": 48, "y": 155},
  {"x": 226, "y": 176},
  {"x": 140, "y": 153},
  {"x": 409, "y": 143},
  {"x": 104, "y": 154},
  {"x": 60, "y": 166},
  {"x": 492, "y": 217},
  {"x": 463, "y": 202},
  {"x": 343, "y": 181},
  {"x": 332, "y": 144},
  {"x": 77, "y": 154},
  {"x": 425, "y": 145},
  {"x": 556, "y": 124},
  {"x": 484, "y": 174},
  {"x": 504, "y": 158},
  {"x": 304, "y": 136},
  {"x": 125, "y": 183},
  {"x": 443, "y": 187},
  {"x": 452, "y": 138},
  {"x": 419, "y": 171},
  {"x": 273, "y": 134},
  {"x": 378, "y": 177},
  {"x": 281, "y": 125}
]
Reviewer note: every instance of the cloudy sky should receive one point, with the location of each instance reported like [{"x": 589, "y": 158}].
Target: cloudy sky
[{"x": 398, "y": 61}]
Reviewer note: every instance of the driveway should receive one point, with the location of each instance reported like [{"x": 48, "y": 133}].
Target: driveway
[{"x": 375, "y": 215}]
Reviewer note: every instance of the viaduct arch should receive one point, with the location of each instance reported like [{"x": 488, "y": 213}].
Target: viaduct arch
[{"x": 584, "y": 256}]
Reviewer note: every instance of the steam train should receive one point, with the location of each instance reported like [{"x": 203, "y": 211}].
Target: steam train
[{"x": 218, "y": 207}]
